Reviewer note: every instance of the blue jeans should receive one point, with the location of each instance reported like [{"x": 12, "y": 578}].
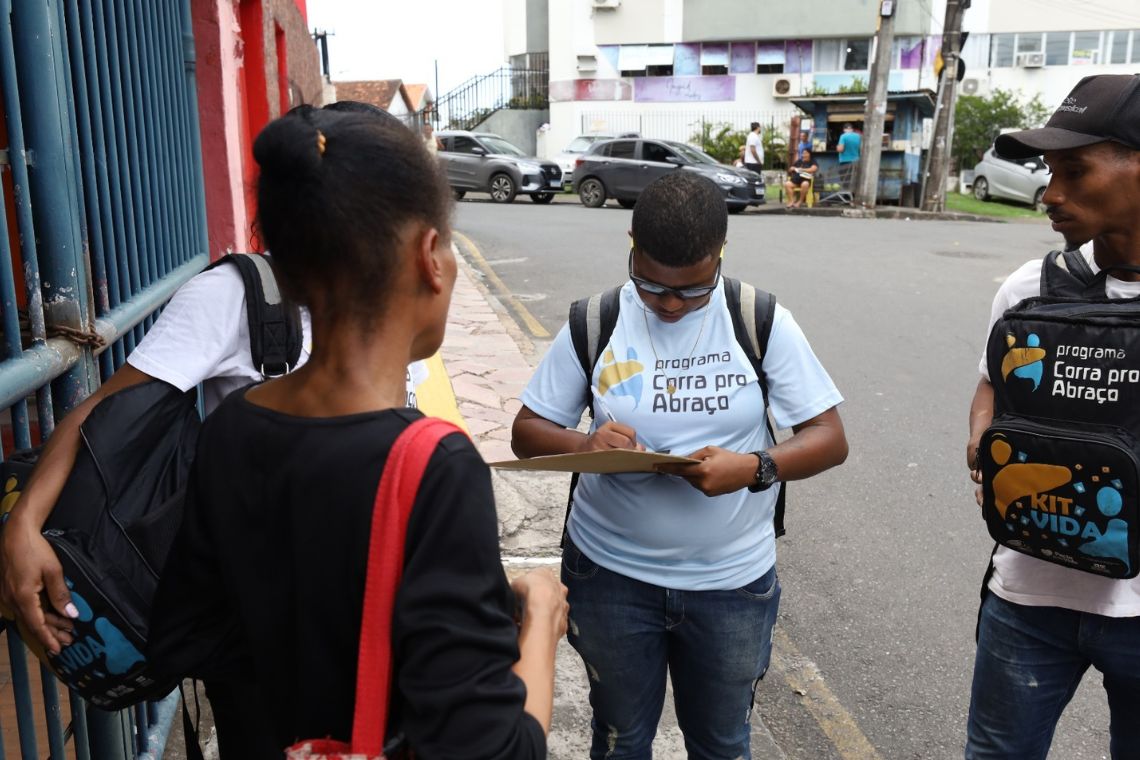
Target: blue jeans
[
  {"x": 1030, "y": 661},
  {"x": 715, "y": 644}
]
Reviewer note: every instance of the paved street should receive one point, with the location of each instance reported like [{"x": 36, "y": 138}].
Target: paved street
[{"x": 884, "y": 556}]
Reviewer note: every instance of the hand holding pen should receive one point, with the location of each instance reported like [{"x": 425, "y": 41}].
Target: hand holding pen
[{"x": 611, "y": 434}]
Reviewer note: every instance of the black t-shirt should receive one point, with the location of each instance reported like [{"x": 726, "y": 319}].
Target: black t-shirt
[
  {"x": 801, "y": 164},
  {"x": 262, "y": 595}
]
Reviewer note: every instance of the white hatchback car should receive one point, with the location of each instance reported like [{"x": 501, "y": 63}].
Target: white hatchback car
[
  {"x": 1021, "y": 180},
  {"x": 577, "y": 147}
]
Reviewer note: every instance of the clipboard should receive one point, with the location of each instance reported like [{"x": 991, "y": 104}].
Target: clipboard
[{"x": 608, "y": 462}]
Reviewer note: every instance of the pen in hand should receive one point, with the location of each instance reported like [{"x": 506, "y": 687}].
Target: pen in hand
[{"x": 609, "y": 415}]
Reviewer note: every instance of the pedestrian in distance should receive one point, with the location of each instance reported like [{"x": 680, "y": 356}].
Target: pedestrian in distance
[
  {"x": 801, "y": 175},
  {"x": 675, "y": 571},
  {"x": 754, "y": 149},
  {"x": 1042, "y": 624},
  {"x": 261, "y": 596},
  {"x": 850, "y": 148}
]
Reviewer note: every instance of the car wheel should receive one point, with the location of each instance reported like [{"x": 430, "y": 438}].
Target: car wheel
[
  {"x": 736, "y": 209},
  {"x": 458, "y": 194},
  {"x": 625, "y": 203},
  {"x": 1039, "y": 200},
  {"x": 592, "y": 193},
  {"x": 981, "y": 189},
  {"x": 542, "y": 197},
  {"x": 503, "y": 188}
]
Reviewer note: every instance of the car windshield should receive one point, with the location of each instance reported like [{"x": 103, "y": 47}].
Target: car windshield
[
  {"x": 500, "y": 146},
  {"x": 694, "y": 155},
  {"x": 583, "y": 143}
]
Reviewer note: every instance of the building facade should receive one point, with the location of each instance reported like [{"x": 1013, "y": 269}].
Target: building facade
[{"x": 665, "y": 67}]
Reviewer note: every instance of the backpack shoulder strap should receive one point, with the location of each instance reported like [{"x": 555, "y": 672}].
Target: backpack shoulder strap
[
  {"x": 592, "y": 321},
  {"x": 753, "y": 311},
  {"x": 1067, "y": 274},
  {"x": 274, "y": 324}
]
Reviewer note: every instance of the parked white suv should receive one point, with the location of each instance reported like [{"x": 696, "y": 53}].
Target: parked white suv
[
  {"x": 577, "y": 147},
  {"x": 1021, "y": 180}
]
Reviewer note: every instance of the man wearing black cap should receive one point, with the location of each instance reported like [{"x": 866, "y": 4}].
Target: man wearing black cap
[{"x": 1041, "y": 624}]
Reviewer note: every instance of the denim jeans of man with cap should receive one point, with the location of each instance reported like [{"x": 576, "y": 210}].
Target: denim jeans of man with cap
[
  {"x": 715, "y": 646},
  {"x": 1030, "y": 661}
]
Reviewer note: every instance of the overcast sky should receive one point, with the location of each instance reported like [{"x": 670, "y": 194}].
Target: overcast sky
[{"x": 401, "y": 39}]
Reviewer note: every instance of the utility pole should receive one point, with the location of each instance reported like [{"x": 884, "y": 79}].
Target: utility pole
[
  {"x": 941, "y": 143},
  {"x": 867, "y": 186}
]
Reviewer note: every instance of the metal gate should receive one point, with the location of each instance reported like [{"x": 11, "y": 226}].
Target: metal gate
[{"x": 103, "y": 218}]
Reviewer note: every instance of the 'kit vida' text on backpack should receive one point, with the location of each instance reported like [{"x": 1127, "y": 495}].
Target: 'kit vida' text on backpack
[
  {"x": 1061, "y": 461},
  {"x": 121, "y": 506}
]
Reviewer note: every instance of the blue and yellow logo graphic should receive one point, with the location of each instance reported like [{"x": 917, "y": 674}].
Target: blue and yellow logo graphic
[
  {"x": 1026, "y": 363},
  {"x": 623, "y": 378}
]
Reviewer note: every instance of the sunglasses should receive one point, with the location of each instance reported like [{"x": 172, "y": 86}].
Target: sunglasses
[{"x": 685, "y": 294}]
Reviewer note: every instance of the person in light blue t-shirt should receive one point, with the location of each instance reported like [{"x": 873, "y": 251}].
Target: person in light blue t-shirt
[
  {"x": 675, "y": 571},
  {"x": 850, "y": 148}
]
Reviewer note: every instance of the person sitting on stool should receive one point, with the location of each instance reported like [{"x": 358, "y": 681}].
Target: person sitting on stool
[{"x": 800, "y": 176}]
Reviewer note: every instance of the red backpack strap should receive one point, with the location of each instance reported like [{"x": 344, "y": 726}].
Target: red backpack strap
[{"x": 395, "y": 497}]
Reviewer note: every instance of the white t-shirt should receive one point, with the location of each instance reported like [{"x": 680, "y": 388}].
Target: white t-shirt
[
  {"x": 202, "y": 336},
  {"x": 1027, "y": 580},
  {"x": 657, "y": 528},
  {"x": 752, "y": 142}
]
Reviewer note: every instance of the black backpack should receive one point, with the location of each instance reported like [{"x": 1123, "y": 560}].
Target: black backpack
[
  {"x": 1061, "y": 461},
  {"x": 121, "y": 506},
  {"x": 592, "y": 321}
]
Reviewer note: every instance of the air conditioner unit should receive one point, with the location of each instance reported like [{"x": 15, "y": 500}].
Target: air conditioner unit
[
  {"x": 784, "y": 87},
  {"x": 972, "y": 86},
  {"x": 1030, "y": 60},
  {"x": 607, "y": 3},
  {"x": 587, "y": 63}
]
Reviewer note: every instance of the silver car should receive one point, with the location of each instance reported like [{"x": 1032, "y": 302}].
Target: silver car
[
  {"x": 1021, "y": 180},
  {"x": 486, "y": 163}
]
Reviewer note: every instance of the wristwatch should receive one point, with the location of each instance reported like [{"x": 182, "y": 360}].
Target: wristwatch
[{"x": 766, "y": 472}]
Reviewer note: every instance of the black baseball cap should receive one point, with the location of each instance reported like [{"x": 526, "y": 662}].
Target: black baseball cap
[{"x": 1100, "y": 108}]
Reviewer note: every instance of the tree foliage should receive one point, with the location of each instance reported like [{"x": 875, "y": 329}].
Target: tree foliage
[
  {"x": 722, "y": 142},
  {"x": 979, "y": 119}
]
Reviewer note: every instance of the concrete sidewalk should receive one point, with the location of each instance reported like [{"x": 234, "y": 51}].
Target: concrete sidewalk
[{"x": 489, "y": 360}]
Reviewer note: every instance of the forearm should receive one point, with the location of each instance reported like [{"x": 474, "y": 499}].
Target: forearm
[
  {"x": 817, "y": 445},
  {"x": 533, "y": 436},
  {"x": 535, "y": 667},
  {"x": 981, "y": 415}
]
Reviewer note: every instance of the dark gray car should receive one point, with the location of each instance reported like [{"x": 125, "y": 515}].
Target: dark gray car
[
  {"x": 483, "y": 162},
  {"x": 621, "y": 169}
]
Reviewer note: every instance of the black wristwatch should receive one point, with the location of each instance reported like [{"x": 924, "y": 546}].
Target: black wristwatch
[{"x": 766, "y": 472}]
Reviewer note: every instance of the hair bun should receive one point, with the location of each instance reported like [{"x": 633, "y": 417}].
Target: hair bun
[{"x": 291, "y": 146}]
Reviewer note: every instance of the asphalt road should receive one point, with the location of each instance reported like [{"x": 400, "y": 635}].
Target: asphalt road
[{"x": 884, "y": 556}]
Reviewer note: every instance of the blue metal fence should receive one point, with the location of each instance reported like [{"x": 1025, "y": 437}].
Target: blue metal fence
[{"x": 104, "y": 195}]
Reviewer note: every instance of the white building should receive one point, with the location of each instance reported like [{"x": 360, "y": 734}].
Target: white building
[
  {"x": 661, "y": 67},
  {"x": 1046, "y": 46}
]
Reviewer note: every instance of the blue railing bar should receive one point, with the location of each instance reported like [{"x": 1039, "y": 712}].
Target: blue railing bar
[
  {"x": 22, "y": 691},
  {"x": 87, "y": 163},
  {"x": 98, "y": 57},
  {"x": 79, "y": 726},
  {"x": 177, "y": 176},
  {"x": 109, "y": 734},
  {"x": 24, "y": 374},
  {"x": 186, "y": 126},
  {"x": 53, "y": 191},
  {"x": 105, "y": 21},
  {"x": 163, "y": 715},
  {"x": 155, "y": 53},
  {"x": 17, "y": 161},
  {"x": 140, "y": 144},
  {"x": 54, "y": 718},
  {"x": 190, "y": 93},
  {"x": 121, "y": 62},
  {"x": 142, "y": 729}
]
